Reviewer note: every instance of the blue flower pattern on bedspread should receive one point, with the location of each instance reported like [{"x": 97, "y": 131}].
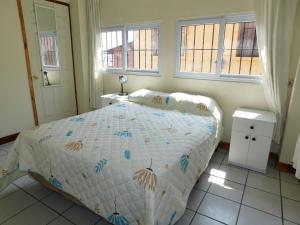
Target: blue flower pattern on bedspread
[
  {"x": 56, "y": 183},
  {"x": 124, "y": 133},
  {"x": 100, "y": 165}
]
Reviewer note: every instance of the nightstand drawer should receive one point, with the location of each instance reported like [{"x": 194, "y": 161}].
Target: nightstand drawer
[{"x": 253, "y": 127}]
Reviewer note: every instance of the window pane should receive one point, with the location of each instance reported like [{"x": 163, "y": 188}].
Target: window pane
[
  {"x": 199, "y": 45},
  {"x": 142, "y": 49},
  {"x": 112, "y": 50},
  {"x": 240, "y": 55},
  {"x": 49, "y": 50}
]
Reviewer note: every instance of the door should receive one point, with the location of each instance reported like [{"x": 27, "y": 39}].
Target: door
[
  {"x": 239, "y": 146},
  {"x": 258, "y": 153},
  {"x": 48, "y": 33}
]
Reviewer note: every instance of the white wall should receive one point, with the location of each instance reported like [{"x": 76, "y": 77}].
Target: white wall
[
  {"x": 15, "y": 105},
  {"x": 292, "y": 128},
  {"x": 80, "y": 47},
  {"x": 229, "y": 95}
]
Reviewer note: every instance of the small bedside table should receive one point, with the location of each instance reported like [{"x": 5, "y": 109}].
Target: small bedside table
[
  {"x": 110, "y": 99},
  {"x": 252, "y": 132}
]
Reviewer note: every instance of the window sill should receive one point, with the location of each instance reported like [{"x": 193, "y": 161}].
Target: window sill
[
  {"x": 227, "y": 78},
  {"x": 136, "y": 73}
]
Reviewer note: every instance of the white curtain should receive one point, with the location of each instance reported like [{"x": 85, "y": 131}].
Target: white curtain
[
  {"x": 94, "y": 49},
  {"x": 296, "y": 158},
  {"x": 275, "y": 24}
]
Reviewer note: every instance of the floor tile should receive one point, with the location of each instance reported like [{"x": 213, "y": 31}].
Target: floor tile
[
  {"x": 212, "y": 166},
  {"x": 261, "y": 200},
  {"x": 37, "y": 190},
  {"x": 225, "y": 188},
  {"x": 285, "y": 222},
  {"x": 290, "y": 190},
  {"x": 234, "y": 173},
  {"x": 7, "y": 146},
  {"x": 186, "y": 218},
  {"x": 225, "y": 160},
  {"x": 219, "y": 208},
  {"x": 250, "y": 216},
  {"x": 38, "y": 214},
  {"x": 195, "y": 198},
  {"x": 60, "y": 221},
  {"x": 81, "y": 216},
  {"x": 264, "y": 183},
  {"x": 3, "y": 155},
  {"x": 203, "y": 220},
  {"x": 218, "y": 157},
  {"x": 203, "y": 182},
  {"x": 57, "y": 202},
  {"x": 8, "y": 190},
  {"x": 291, "y": 210},
  {"x": 14, "y": 203},
  {"x": 23, "y": 181},
  {"x": 289, "y": 177}
]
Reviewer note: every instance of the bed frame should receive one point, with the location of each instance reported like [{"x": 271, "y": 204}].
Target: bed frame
[{"x": 39, "y": 178}]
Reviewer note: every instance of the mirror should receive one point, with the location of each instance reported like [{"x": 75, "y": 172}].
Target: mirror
[{"x": 48, "y": 43}]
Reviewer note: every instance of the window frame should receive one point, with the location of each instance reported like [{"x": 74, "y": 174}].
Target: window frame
[
  {"x": 125, "y": 70},
  {"x": 218, "y": 75}
]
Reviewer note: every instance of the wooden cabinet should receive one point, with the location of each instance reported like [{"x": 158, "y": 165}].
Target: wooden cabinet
[{"x": 251, "y": 138}]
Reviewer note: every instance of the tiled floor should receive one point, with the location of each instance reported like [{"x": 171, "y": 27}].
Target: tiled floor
[{"x": 224, "y": 195}]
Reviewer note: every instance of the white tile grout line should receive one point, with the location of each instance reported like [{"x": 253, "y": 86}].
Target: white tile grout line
[
  {"x": 237, "y": 218},
  {"x": 196, "y": 212},
  {"x": 281, "y": 201}
]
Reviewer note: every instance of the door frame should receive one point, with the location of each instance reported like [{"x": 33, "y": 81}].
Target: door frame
[{"x": 27, "y": 58}]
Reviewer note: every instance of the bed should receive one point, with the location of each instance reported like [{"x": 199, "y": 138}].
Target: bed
[{"x": 133, "y": 162}]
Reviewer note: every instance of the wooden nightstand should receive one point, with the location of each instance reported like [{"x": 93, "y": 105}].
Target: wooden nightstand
[
  {"x": 252, "y": 132},
  {"x": 110, "y": 99}
]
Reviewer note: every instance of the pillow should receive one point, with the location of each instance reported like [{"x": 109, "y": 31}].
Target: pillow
[{"x": 196, "y": 104}]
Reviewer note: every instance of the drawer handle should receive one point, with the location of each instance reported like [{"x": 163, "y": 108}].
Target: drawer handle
[
  {"x": 252, "y": 127},
  {"x": 247, "y": 137},
  {"x": 253, "y": 139}
]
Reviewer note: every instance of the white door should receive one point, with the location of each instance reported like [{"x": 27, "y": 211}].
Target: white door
[
  {"x": 50, "y": 48},
  {"x": 239, "y": 146},
  {"x": 258, "y": 153}
]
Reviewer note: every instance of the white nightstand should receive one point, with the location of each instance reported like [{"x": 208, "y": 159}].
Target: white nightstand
[
  {"x": 110, "y": 99},
  {"x": 252, "y": 132}
]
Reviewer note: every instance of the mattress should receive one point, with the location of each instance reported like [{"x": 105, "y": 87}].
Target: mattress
[{"x": 128, "y": 162}]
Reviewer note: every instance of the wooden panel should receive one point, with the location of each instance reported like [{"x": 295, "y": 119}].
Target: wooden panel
[{"x": 29, "y": 71}]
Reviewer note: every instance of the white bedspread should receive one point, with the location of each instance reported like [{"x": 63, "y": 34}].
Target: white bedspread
[{"x": 131, "y": 164}]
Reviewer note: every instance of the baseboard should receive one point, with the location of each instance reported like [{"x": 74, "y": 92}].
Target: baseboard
[
  {"x": 284, "y": 167},
  {"x": 224, "y": 145},
  {"x": 8, "y": 138}
]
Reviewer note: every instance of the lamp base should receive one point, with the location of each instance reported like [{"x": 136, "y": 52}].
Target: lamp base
[{"x": 123, "y": 93}]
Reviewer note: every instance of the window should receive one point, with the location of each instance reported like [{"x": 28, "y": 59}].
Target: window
[
  {"x": 218, "y": 48},
  {"x": 112, "y": 49},
  {"x": 139, "y": 54},
  {"x": 49, "y": 50}
]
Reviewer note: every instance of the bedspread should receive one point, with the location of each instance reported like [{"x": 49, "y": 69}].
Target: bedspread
[{"x": 130, "y": 163}]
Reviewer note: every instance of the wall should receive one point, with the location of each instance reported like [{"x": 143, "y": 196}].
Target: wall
[
  {"x": 229, "y": 95},
  {"x": 15, "y": 105},
  {"x": 80, "y": 47},
  {"x": 292, "y": 128}
]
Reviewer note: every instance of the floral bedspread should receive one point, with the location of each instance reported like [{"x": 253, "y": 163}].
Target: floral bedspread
[{"x": 130, "y": 163}]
